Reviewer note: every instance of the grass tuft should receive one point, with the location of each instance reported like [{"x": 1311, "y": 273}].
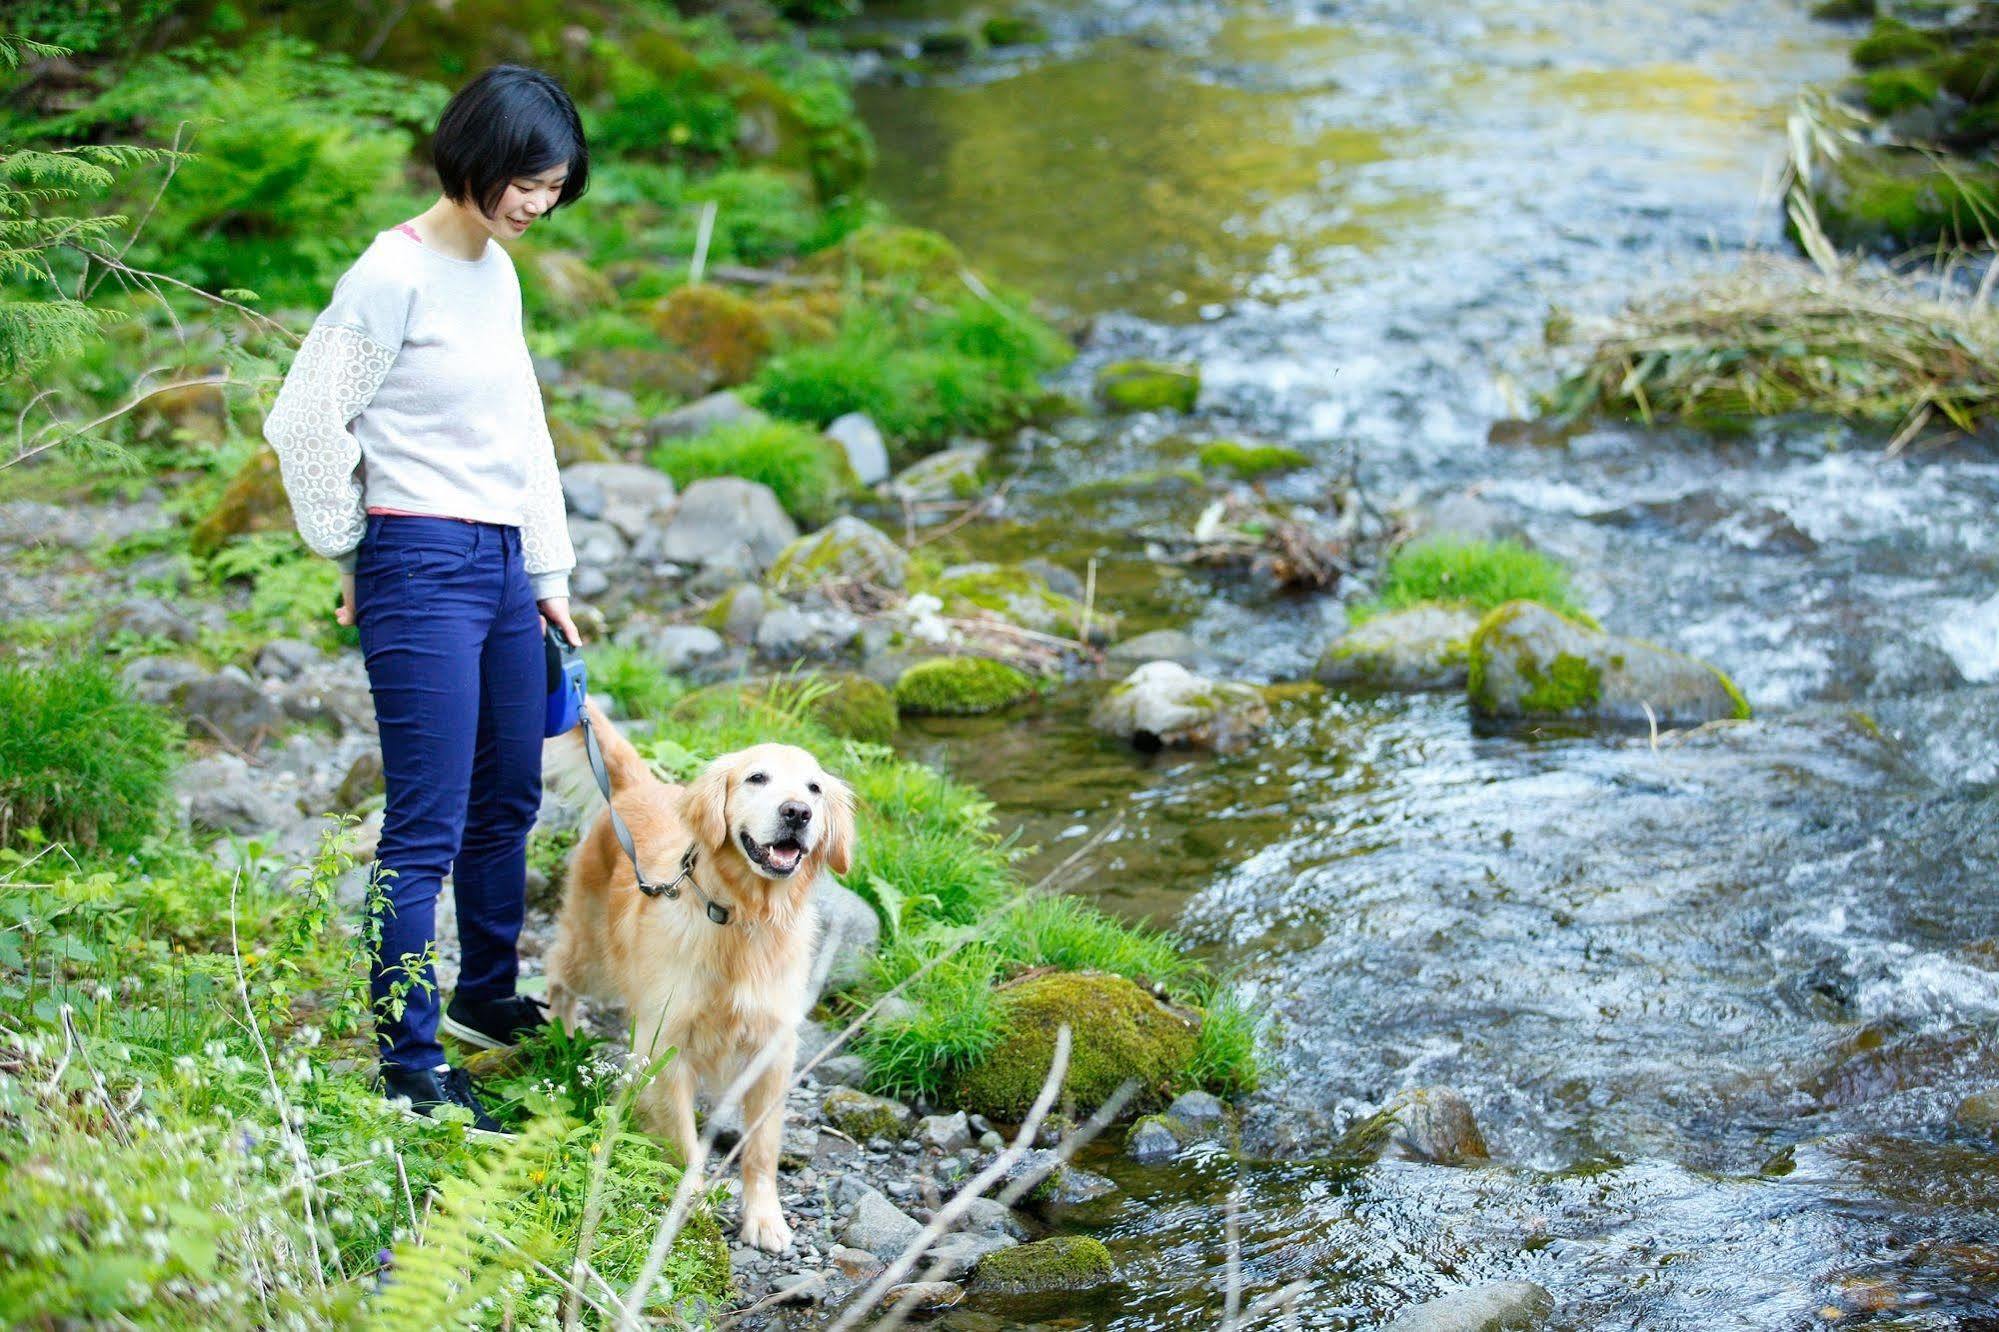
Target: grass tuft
[
  {"x": 82, "y": 762},
  {"x": 806, "y": 471},
  {"x": 1478, "y": 575}
]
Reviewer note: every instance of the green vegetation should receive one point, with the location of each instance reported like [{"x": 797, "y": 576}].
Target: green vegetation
[
  {"x": 1478, "y": 575},
  {"x": 1117, "y": 1030},
  {"x": 1060, "y": 1262},
  {"x": 1148, "y": 386},
  {"x": 850, "y": 706},
  {"x": 806, "y": 471},
  {"x": 81, "y": 762},
  {"x": 961, "y": 686},
  {"x": 1249, "y": 461}
]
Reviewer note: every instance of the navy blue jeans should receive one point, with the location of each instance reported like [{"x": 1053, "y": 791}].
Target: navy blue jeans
[{"x": 453, "y": 645}]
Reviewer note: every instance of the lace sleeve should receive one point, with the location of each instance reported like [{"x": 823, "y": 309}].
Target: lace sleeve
[
  {"x": 545, "y": 550},
  {"x": 332, "y": 379}
]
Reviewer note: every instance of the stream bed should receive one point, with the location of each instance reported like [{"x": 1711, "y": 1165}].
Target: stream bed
[{"x": 1715, "y": 999}]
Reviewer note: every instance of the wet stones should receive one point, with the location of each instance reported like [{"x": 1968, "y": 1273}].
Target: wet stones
[
  {"x": 1062, "y": 1262},
  {"x": 1531, "y": 663},
  {"x": 1163, "y": 704},
  {"x": 627, "y": 496},
  {"x": 1423, "y": 647},
  {"x": 1159, "y": 645},
  {"x": 945, "y": 1133},
  {"x": 848, "y": 927},
  {"x": 861, "y": 440},
  {"x": 727, "y": 522},
  {"x": 1503, "y": 1306},
  {"x": 878, "y": 1225},
  {"x": 1433, "y": 1124},
  {"x": 845, "y": 551},
  {"x": 1152, "y": 1140}
]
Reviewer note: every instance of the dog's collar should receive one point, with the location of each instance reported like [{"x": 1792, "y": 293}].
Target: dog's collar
[{"x": 671, "y": 889}]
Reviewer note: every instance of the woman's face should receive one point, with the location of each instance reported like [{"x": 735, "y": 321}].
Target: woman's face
[{"x": 525, "y": 199}]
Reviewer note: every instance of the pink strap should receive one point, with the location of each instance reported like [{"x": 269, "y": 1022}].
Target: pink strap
[{"x": 409, "y": 231}]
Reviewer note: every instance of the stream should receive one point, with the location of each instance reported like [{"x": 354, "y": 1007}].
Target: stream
[{"x": 1715, "y": 1000}]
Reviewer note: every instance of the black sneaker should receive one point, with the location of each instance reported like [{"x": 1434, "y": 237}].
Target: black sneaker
[
  {"x": 494, "y": 1024},
  {"x": 428, "y": 1088}
]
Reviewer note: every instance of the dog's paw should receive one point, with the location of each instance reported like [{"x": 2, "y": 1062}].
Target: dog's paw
[{"x": 765, "y": 1229}]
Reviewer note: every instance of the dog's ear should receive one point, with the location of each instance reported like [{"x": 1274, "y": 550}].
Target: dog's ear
[
  {"x": 839, "y": 825},
  {"x": 705, "y": 806}
]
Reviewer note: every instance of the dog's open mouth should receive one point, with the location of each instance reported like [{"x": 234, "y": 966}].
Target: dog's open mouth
[{"x": 780, "y": 857}]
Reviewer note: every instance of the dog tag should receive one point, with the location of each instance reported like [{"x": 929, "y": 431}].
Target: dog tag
[{"x": 718, "y": 913}]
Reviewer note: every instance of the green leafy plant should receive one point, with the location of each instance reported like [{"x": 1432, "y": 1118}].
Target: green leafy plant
[
  {"x": 806, "y": 471},
  {"x": 82, "y": 762}
]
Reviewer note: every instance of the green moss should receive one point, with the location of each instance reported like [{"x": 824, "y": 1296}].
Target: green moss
[
  {"x": 716, "y": 330},
  {"x": 1020, "y": 596},
  {"x": 856, "y": 707},
  {"x": 1569, "y": 684},
  {"x": 1885, "y": 201},
  {"x": 1840, "y": 11},
  {"x": 1973, "y": 75},
  {"x": 1014, "y": 30},
  {"x": 846, "y": 550},
  {"x": 1251, "y": 460},
  {"x": 884, "y": 252},
  {"x": 1480, "y": 575},
  {"x": 1893, "y": 42},
  {"x": 1887, "y": 91},
  {"x": 1061, "y": 1262},
  {"x": 807, "y": 472},
  {"x": 1148, "y": 386},
  {"x": 961, "y": 686},
  {"x": 861, "y": 1116},
  {"x": 1117, "y": 1031}
]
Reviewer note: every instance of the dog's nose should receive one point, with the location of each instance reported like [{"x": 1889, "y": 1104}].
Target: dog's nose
[{"x": 795, "y": 812}]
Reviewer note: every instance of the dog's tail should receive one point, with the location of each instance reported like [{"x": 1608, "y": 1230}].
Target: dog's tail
[{"x": 565, "y": 762}]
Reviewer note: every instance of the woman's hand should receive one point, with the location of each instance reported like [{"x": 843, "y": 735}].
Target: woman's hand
[
  {"x": 344, "y": 612},
  {"x": 555, "y": 611}
]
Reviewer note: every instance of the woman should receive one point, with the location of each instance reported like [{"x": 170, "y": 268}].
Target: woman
[{"x": 412, "y": 443}]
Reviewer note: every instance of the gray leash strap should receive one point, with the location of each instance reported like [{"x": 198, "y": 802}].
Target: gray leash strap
[{"x": 671, "y": 889}]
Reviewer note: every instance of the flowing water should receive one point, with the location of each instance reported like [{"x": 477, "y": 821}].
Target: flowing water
[{"x": 1715, "y": 1000}]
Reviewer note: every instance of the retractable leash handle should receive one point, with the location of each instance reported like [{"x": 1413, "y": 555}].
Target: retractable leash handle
[{"x": 568, "y": 683}]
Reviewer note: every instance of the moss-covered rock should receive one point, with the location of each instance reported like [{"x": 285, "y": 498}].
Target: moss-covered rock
[
  {"x": 563, "y": 284},
  {"x": 1148, "y": 386},
  {"x": 961, "y": 687},
  {"x": 717, "y": 331},
  {"x": 253, "y": 502},
  {"x": 952, "y": 473},
  {"x": 1117, "y": 1031},
  {"x": 883, "y": 252},
  {"x": 1433, "y": 1124},
  {"x": 1249, "y": 461},
  {"x": 1061, "y": 1262},
  {"x": 861, "y": 1116},
  {"x": 1842, "y": 11},
  {"x": 1164, "y": 704},
  {"x": 1897, "y": 88},
  {"x": 1885, "y": 200},
  {"x": 845, "y": 551},
  {"x": 576, "y": 443},
  {"x": 1014, "y": 30},
  {"x": 1529, "y": 662},
  {"x": 1020, "y": 596},
  {"x": 1893, "y": 42},
  {"x": 1422, "y": 647}
]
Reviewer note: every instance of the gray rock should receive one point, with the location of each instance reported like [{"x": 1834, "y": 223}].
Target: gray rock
[
  {"x": 989, "y": 1216},
  {"x": 362, "y": 783},
  {"x": 333, "y": 691},
  {"x": 285, "y": 658},
  {"x": 916, "y": 1297},
  {"x": 680, "y": 646},
  {"x": 867, "y": 451},
  {"x": 1199, "y": 1110},
  {"x": 1062, "y": 582},
  {"x": 799, "y": 1288},
  {"x": 1151, "y": 1140},
  {"x": 588, "y": 581},
  {"x": 1423, "y": 647},
  {"x": 1159, "y": 645},
  {"x": 742, "y": 611},
  {"x": 629, "y": 497},
  {"x": 1163, "y": 704},
  {"x": 991, "y": 1140},
  {"x": 701, "y": 416},
  {"x": 842, "y": 1070},
  {"x": 1433, "y": 1124},
  {"x": 861, "y": 1116},
  {"x": 160, "y": 679},
  {"x": 1051, "y": 1183},
  {"x": 959, "y": 1253},
  {"x": 1979, "y": 1113},
  {"x": 846, "y": 550},
  {"x": 725, "y": 520},
  {"x": 1467, "y": 517},
  {"x": 857, "y": 1264},
  {"x": 598, "y": 544},
  {"x": 947, "y": 1133},
  {"x": 223, "y": 795},
  {"x": 951, "y": 474},
  {"x": 1528, "y": 662},
  {"x": 227, "y": 704},
  {"x": 850, "y": 927},
  {"x": 788, "y": 633},
  {"x": 1503, "y": 1306},
  {"x": 879, "y": 1226},
  {"x": 150, "y": 617}
]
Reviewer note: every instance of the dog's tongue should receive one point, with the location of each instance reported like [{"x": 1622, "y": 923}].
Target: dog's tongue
[{"x": 783, "y": 857}]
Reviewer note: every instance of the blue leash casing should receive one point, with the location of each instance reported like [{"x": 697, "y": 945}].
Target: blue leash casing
[{"x": 568, "y": 684}]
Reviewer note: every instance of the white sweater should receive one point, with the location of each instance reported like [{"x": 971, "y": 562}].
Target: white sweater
[{"x": 414, "y": 392}]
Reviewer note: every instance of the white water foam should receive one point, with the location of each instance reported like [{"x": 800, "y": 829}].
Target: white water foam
[{"x": 1970, "y": 634}]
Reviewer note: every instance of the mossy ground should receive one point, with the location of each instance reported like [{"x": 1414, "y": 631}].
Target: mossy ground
[
  {"x": 1117, "y": 1032},
  {"x": 1249, "y": 461},
  {"x": 962, "y": 687},
  {"x": 1060, "y": 1262}
]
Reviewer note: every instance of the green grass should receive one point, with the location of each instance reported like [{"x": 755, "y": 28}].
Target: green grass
[
  {"x": 81, "y": 761},
  {"x": 806, "y": 471},
  {"x": 1478, "y": 575},
  {"x": 1250, "y": 461}
]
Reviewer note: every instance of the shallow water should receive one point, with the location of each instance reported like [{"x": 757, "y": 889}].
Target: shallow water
[{"x": 1714, "y": 1001}]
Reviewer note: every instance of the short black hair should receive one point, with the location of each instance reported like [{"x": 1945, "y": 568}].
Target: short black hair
[{"x": 509, "y": 122}]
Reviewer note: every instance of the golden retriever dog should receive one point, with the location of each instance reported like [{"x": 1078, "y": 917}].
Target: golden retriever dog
[{"x": 762, "y": 822}]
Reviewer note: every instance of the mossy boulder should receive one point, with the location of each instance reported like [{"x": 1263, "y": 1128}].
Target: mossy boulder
[
  {"x": 716, "y": 331},
  {"x": 1433, "y": 1124},
  {"x": 1249, "y": 461},
  {"x": 1148, "y": 386},
  {"x": 1885, "y": 200},
  {"x": 1898, "y": 88},
  {"x": 1422, "y": 647},
  {"x": 1531, "y": 663},
  {"x": 1163, "y": 704},
  {"x": 856, "y": 707},
  {"x": 1061, "y": 1262},
  {"x": 1018, "y": 595},
  {"x": 1116, "y": 1029},
  {"x": 861, "y": 1116},
  {"x": 1014, "y": 30},
  {"x": 1893, "y": 42},
  {"x": 961, "y": 687},
  {"x": 253, "y": 502},
  {"x": 883, "y": 252},
  {"x": 564, "y": 284},
  {"x": 845, "y": 551},
  {"x": 949, "y": 474}
]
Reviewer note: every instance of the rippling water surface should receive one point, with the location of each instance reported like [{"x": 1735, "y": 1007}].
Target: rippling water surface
[{"x": 1714, "y": 1000}]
